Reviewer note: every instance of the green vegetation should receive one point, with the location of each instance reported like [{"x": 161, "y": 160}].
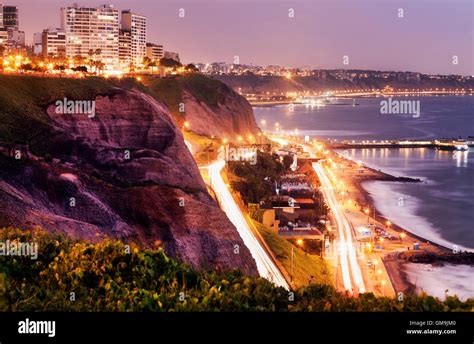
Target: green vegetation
[
  {"x": 23, "y": 103},
  {"x": 104, "y": 277},
  {"x": 170, "y": 63},
  {"x": 170, "y": 90},
  {"x": 255, "y": 182},
  {"x": 24, "y": 99},
  {"x": 308, "y": 268}
]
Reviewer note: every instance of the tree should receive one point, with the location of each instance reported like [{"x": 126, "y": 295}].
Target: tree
[
  {"x": 80, "y": 69},
  {"x": 99, "y": 66},
  {"x": 191, "y": 68},
  {"x": 287, "y": 161},
  {"x": 169, "y": 63},
  {"x": 27, "y": 66},
  {"x": 149, "y": 63}
]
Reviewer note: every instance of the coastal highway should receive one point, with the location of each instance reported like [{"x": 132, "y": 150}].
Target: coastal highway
[
  {"x": 349, "y": 263},
  {"x": 266, "y": 267},
  {"x": 352, "y": 278}
]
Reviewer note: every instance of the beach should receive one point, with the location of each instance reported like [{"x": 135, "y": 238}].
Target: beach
[{"x": 359, "y": 201}]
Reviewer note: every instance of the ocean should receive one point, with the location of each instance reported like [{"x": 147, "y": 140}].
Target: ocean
[{"x": 441, "y": 209}]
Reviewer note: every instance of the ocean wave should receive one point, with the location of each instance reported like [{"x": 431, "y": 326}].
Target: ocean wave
[
  {"x": 386, "y": 198},
  {"x": 441, "y": 280}
]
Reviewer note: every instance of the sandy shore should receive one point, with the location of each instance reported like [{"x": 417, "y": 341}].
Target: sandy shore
[{"x": 393, "y": 255}]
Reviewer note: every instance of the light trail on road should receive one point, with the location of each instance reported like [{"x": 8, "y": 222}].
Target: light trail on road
[
  {"x": 342, "y": 250},
  {"x": 265, "y": 266},
  {"x": 347, "y": 250},
  {"x": 347, "y": 254}
]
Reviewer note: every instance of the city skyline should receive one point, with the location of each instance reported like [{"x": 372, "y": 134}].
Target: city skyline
[{"x": 264, "y": 35}]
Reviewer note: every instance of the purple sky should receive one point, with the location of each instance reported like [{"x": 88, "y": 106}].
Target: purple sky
[{"x": 320, "y": 34}]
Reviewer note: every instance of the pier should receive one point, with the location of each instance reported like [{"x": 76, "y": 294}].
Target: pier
[{"x": 453, "y": 145}]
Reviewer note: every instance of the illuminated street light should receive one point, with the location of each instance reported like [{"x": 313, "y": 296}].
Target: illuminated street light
[
  {"x": 299, "y": 242},
  {"x": 368, "y": 246},
  {"x": 186, "y": 124}
]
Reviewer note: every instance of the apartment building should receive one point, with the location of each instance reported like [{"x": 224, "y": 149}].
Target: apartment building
[
  {"x": 53, "y": 42},
  {"x": 154, "y": 51},
  {"x": 125, "y": 49},
  {"x": 135, "y": 24},
  {"x": 92, "y": 33},
  {"x": 9, "y": 16}
]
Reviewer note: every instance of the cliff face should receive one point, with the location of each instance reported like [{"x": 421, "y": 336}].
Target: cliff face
[
  {"x": 210, "y": 107},
  {"x": 126, "y": 173},
  {"x": 231, "y": 117}
]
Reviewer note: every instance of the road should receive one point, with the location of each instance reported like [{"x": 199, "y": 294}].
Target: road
[
  {"x": 266, "y": 267},
  {"x": 349, "y": 263},
  {"x": 352, "y": 278}
]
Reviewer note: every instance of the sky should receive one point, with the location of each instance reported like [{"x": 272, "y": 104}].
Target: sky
[{"x": 261, "y": 32}]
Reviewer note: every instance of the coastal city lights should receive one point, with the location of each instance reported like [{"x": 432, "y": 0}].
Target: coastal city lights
[{"x": 167, "y": 168}]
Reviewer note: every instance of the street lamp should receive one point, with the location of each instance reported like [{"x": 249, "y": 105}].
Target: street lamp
[
  {"x": 367, "y": 212},
  {"x": 299, "y": 242},
  {"x": 368, "y": 246},
  {"x": 402, "y": 236}
]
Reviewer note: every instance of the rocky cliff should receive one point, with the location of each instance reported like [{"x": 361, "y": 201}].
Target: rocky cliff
[
  {"x": 210, "y": 107},
  {"x": 125, "y": 173}
]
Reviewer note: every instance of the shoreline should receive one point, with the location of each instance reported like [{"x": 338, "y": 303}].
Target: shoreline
[{"x": 394, "y": 261}]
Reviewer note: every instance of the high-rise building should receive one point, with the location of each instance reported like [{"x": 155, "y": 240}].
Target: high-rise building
[
  {"x": 154, "y": 51},
  {"x": 53, "y": 42},
  {"x": 125, "y": 48},
  {"x": 92, "y": 33},
  {"x": 3, "y": 38},
  {"x": 10, "y": 17},
  {"x": 136, "y": 25},
  {"x": 9, "y": 26},
  {"x": 16, "y": 39},
  {"x": 38, "y": 43}
]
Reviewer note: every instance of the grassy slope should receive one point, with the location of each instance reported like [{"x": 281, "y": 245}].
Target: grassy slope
[
  {"x": 169, "y": 90},
  {"x": 23, "y": 100},
  {"x": 306, "y": 265}
]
